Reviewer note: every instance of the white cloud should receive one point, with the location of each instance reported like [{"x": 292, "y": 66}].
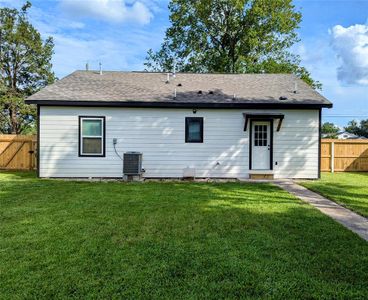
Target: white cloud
[
  {"x": 73, "y": 53},
  {"x": 11, "y": 3},
  {"x": 351, "y": 46},
  {"x": 108, "y": 10},
  {"x": 77, "y": 42},
  {"x": 155, "y": 6},
  {"x": 48, "y": 24},
  {"x": 320, "y": 59}
]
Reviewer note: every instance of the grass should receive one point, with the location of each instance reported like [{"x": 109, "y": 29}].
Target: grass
[
  {"x": 63, "y": 239},
  {"x": 347, "y": 189}
]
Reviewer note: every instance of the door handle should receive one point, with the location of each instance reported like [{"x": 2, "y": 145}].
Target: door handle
[{"x": 269, "y": 148}]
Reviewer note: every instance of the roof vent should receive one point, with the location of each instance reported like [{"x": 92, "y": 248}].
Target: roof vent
[
  {"x": 210, "y": 92},
  {"x": 200, "y": 93},
  {"x": 100, "y": 68},
  {"x": 168, "y": 78},
  {"x": 283, "y": 98},
  {"x": 179, "y": 84},
  {"x": 295, "y": 87}
]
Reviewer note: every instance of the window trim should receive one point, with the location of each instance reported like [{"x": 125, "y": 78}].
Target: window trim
[
  {"x": 187, "y": 121},
  {"x": 80, "y": 136}
]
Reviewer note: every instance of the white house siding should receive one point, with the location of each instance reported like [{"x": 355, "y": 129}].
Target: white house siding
[{"x": 160, "y": 135}]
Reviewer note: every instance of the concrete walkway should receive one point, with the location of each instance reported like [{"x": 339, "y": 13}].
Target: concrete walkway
[{"x": 344, "y": 216}]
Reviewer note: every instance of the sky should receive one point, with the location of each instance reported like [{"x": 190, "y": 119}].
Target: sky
[{"x": 118, "y": 33}]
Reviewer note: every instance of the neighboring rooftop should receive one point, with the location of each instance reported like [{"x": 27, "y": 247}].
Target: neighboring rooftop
[
  {"x": 151, "y": 89},
  {"x": 344, "y": 135}
]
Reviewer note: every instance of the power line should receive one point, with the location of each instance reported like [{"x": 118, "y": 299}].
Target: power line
[{"x": 345, "y": 116}]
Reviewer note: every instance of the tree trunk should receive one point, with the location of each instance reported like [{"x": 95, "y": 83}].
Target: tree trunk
[{"x": 13, "y": 121}]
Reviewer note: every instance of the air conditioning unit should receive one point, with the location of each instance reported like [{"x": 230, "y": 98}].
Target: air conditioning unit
[{"x": 132, "y": 163}]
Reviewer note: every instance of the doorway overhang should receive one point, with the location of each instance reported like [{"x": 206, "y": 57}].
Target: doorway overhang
[{"x": 262, "y": 116}]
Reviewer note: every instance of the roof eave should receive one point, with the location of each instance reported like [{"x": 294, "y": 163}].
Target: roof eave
[{"x": 157, "y": 104}]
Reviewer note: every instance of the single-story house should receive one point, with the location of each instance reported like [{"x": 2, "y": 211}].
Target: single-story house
[
  {"x": 344, "y": 135},
  {"x": 106, "y": 124}
]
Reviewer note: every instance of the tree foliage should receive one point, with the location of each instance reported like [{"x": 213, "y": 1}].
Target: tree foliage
[
  {"x": 360, "y": 129},
  {"x": 25, "y": 61},
  {"x": 230, "y": 36},
  {"x": 330, "y": 130}
]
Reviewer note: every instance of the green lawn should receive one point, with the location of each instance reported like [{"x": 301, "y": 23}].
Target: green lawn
[
  {"x": 61, "y": 239},
  {"x": 347, "y": 189}
]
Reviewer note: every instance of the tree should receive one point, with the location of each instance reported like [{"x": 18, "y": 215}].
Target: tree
[
  {"x": 364, "y": 128},
  {"x": 25, "y": 67},
  {"x": 330, "y": 130},
  {"x": 358, "y": 129},
  {"x": 230, "y": 36},
  {"x": 353, "y": 127}
]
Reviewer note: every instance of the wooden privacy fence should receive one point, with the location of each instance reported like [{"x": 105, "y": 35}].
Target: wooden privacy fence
[
  {"x": 344, "y": 155},
  {"x": 18, "y": 152}
]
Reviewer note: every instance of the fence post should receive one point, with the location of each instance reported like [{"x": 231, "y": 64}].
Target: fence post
[
  {"x": 31, "y": 150},
  {"x": 332, "y": 157}
]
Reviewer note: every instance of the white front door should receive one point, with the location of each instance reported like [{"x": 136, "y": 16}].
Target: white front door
[{"x": 261, "y": 145}]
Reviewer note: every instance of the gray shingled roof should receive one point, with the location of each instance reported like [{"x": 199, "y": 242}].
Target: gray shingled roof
[{"x": 148, "y": 87}]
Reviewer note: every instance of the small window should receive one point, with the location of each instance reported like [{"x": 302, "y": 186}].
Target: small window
[
  {"x": 91, "y": 136},
  {"x": 194, "y": 130}
]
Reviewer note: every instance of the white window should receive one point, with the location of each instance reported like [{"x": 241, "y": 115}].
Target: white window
[{"x": 91, "y": 136}]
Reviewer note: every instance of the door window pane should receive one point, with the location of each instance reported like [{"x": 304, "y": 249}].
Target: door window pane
[{"x": 260, "y": 135}]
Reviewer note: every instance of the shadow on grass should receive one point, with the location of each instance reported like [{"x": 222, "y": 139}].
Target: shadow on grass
[
  {"x": 350, "y": 190},
  {"x": 172, "y": 240},
  {"x": 17, "y": 175}
]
